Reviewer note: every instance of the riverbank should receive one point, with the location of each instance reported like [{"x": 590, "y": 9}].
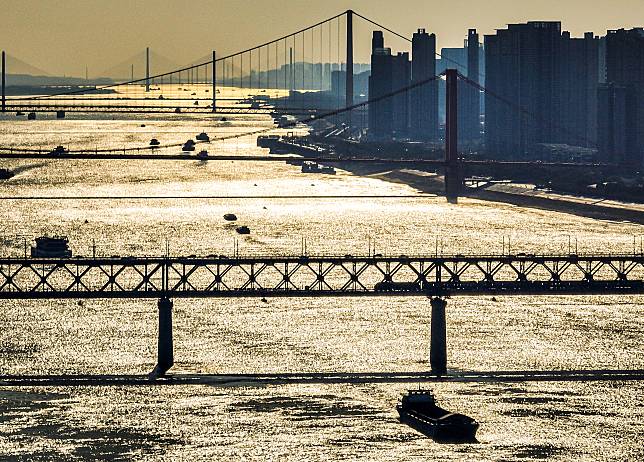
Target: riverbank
[{"x": 520, "y": 195}]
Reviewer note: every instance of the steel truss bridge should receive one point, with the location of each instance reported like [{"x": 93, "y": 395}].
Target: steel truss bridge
[{"x": 316, "y": 276}]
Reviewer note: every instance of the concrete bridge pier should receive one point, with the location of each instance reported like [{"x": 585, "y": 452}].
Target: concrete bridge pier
[
  {"x": 438, "y": 341},
  {"x": 165, "y": 353}
]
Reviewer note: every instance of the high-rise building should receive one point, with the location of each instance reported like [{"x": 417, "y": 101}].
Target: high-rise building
[
  {"x": 388, "y": 117},
  {"x": 380, "y": 84},
  {"x": 424, "y": 98},
  {"x": 520, "y": 68},
  {"x": 542, "y": 89},
  {"x": 611, "y": 133},
  {"x": 578, "y": 70},
  {"x": 401, "y": 77},
  {"x": 469, "y": 97},
  {"x": 621, "y": 99}
]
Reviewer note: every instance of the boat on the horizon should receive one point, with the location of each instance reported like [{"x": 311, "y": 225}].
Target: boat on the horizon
[
  {"x": 419, "y": 410},
  {"x": 58, "y": 150}
]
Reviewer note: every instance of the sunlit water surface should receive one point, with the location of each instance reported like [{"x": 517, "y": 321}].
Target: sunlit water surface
[{"x": 557, "y": 421}]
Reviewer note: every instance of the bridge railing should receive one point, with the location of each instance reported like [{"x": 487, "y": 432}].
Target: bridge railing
[{"x": 323, "y": 276}]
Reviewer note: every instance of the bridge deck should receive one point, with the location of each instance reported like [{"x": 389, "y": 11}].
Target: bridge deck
[
  {"x": 319, "y": 276},
  {"x": 252, "y": 379}
]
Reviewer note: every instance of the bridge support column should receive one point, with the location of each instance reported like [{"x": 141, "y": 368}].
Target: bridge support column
[
  {"x": 165, "y": 353},
  {"x": 438, "y": 342}
]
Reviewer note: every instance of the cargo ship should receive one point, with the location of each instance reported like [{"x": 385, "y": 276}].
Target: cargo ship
[{"x": 419, "y": 410}]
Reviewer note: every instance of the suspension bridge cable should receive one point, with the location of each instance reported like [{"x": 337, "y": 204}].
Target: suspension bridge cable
[
  {"x": 187, "y": 68},
  {"x": 287, "y": 125}
]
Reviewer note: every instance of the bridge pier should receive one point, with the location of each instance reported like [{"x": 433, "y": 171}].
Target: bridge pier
[
  {"x": 165, "y": 354},
  {"x": 438, "y": 341}
]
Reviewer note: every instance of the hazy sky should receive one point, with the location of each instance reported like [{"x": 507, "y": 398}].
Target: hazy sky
[{"x": 63, "y": 36}]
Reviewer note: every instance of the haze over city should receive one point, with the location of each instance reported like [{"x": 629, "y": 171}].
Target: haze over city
[{"x": 102, "y": 34}]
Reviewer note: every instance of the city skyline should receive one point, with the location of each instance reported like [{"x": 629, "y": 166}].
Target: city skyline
[{"x": 185, "y": 34}]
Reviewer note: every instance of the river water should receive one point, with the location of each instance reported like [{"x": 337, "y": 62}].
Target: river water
[{"x": 135, "y": 207}]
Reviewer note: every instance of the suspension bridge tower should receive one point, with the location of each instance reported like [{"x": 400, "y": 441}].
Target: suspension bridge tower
[
  {"x": 452, "y": 168},
  {"x": 349, "y": 73}
]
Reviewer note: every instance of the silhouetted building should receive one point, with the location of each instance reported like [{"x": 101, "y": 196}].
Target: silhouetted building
[
  {"x": 469, "y": 97},
  {"x": 380, "y": 84},
  {"x": 611, "y": 134},
  {"x": 621, "y": 100},
  {"x": 578, "y": 70},
  {"x": 424, "y": 98},
  {"x": 542, "y": 86},
  {"x": 400, "y": 78},
  {"x": 388, "y": 117}
]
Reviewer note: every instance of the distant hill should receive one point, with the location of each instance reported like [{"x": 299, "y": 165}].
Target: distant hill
[
  {"x": 122, "y": 71},
  {"x": 18, "y": 66},
  {"x": 19, "y": 80}
]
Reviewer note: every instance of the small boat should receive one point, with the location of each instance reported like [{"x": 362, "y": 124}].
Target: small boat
[
  {"x": 203, "y": 136},
  {"x": 58, "y": 150},
  {"x": 154, "y": 142},
  {"x": 51, "y": 247},
  {"x": 242, "y": 230},
  {"x": 5, "y": 174},
  {"x": 188, "y": 146},
  {"x": 203, "y": 154},
  {"x": 419, "y": 410},
  {"x": 314, "y": 167},
  {"x": 230, "y": 217}
]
